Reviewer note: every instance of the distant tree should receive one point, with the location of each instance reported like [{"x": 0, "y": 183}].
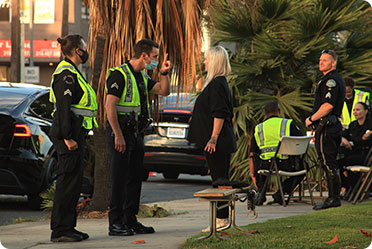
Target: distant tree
[
  {"x": 278, "y": 47},
  {"x": 115, "y": 26}
]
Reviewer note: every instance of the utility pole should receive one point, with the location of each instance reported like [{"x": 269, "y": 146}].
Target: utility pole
[
  {"x": 15, "y": 60},
  {"x": 64, "y": 30},
  {"x": 31, "y": 24}
]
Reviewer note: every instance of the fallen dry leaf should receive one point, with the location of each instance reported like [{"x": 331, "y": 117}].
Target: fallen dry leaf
[
  {"x": 138, "y": 242},
  {"x": 288, "y": 227},
  {"x": 225, "y": 234},
  {"x": 253, "y": 231},
  {"x": 347, "y": 247},
  {"x": 366, "y": 234},
  {"x": 332, "y": 241}
]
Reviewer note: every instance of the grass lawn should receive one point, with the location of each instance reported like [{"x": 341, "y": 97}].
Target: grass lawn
[{"x": 310, "y": 230}]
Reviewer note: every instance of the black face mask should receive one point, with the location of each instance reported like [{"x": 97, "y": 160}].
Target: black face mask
[{"x": 84, "y": 57}]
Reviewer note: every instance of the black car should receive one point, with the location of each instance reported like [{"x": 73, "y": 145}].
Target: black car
[
  {"x": 27, "y": 158},
  {"x": 166, "y": 148}
]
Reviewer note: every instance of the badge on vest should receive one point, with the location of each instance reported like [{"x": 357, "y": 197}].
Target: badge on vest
[{"x": 331, "y": 83}]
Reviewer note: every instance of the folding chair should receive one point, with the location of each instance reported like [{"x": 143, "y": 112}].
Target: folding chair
[
  {"x": 292, "y": 146},
  {"x": 364, "y": 182}
]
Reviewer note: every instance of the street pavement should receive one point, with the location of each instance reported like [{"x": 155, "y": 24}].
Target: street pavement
[{"x": 191, "y": 215}]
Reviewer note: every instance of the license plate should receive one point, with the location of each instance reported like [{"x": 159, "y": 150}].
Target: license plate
[{"x": 176, "y": 132}]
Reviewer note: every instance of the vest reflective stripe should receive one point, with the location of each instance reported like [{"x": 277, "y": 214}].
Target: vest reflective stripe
[
  {"x": 131, "y": 94},
  {"x": 269, "y": 133},
  {"x": 346, "y": 117},
  {"x": 87, "y": 106},
  {"x": 128, "y": 109}
]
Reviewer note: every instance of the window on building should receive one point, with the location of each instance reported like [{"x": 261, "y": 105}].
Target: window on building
[
  {"x": 84, "y": 10},
  {"x": 4, "y": 72}
]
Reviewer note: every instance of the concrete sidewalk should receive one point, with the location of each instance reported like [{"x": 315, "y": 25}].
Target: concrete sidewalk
[{"x": 171, "y": 232}]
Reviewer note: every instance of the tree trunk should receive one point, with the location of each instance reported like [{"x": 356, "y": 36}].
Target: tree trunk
[{"x": 102, "y": 171}]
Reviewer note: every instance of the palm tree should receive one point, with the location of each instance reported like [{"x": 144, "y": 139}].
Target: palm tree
[
  {"x": 278, "y": 46},
  {"x": 115, "y": 26}
]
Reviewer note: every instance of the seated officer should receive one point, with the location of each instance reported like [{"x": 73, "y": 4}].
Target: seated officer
[
  {"x": 263, "y": 146},
  {"x": 352, "y": 97}
]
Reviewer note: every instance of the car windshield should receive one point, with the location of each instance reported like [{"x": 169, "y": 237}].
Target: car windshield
[
  {"x": 185, "y": 101},
  {"x": 9, "y": 100}
]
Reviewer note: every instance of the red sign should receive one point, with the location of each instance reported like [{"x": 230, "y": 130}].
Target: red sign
[{"x": 42, "y": 49}]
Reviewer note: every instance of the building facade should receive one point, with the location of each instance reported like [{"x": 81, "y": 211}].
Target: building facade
[{"x": 47, "y": 27}]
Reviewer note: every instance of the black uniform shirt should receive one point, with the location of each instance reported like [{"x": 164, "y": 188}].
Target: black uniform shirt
[
  {"x": 331, "y": 89},
  {"x": 293, "y": 131},
  {"x": 67, "y": 91},
  {"x": 116, "y": 85}
]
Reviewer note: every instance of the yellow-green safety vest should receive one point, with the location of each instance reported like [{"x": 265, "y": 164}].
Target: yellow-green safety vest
[
  {"x": 87, "y": 106},
  {"x": 130, "y": 99},
  {"x": 268, "y": 134},
  {"x": 346, "y": 117}
]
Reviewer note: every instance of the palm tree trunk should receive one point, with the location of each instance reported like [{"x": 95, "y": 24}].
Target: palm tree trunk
[{"x": 102, "y": 176}]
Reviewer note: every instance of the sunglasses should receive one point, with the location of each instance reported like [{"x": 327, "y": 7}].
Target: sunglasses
[{"x": 326, "y": 51}]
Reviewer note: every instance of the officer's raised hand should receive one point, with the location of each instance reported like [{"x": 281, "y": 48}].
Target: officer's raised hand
[{"x": 166, "y": 66}]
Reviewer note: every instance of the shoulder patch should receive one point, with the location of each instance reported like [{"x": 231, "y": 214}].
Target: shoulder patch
[
  {"x": 115, "y": 85},
  {"x": 67, "y": 92},
  {"x": 331, "y": 83},
  {"x": 328, "y": 95},
  {"x": 68, "y": 79}
]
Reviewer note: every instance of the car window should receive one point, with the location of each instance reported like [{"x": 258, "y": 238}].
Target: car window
[
  {"x": 42, "y": 108},
  {"x": 10, "y": 100}
]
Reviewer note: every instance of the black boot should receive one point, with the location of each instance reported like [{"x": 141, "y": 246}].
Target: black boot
[{"x": 334, "y": 188}]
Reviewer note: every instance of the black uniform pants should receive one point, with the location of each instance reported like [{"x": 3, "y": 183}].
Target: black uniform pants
[
  {"x": 127, "y": 170},
  {"x": 219, "y": 164},
  {"x": 327, "y": 144},
  {"x": 68, "y": 184}
]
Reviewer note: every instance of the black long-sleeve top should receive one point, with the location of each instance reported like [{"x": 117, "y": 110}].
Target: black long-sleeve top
[
  {"x": 355, "y": 133},
  {"x": 67, "y": 91},
  {"x": 215, "y": 101}
]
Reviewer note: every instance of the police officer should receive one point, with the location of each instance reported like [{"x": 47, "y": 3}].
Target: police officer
[
  {"x": 329, "y": 98},
  {"x": 352, "y": 97},
  {"x": 75, "y": 108},
  {"x": 127, "y": 106},
  {"x": 263, "y": 146}
]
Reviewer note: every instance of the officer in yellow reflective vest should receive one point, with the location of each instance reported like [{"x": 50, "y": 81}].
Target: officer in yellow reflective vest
[
  {"x": 75, "y": 110},
  {"x": 352, "y": 97},
  {"x": 263, "y": 146},
  {"x": 127, "y": 107}
]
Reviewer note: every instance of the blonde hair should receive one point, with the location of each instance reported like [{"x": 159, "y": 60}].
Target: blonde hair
[{"x": 218, "y": 63}]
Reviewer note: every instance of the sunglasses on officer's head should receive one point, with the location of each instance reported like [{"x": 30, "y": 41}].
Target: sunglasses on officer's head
[{"x": 326, "y": 51}]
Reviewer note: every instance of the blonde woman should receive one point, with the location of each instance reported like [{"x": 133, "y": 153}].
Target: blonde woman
[{"x": 211, "y": 123}]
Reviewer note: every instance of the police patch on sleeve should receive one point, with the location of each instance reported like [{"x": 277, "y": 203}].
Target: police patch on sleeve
[
  {"x": 331, "y": 83},
  {"x": 328, "y": 95},
  {"x": 115, "y": 85},
  {"x": 68, "y": 79},
  {"x": 67, "y": 92}
]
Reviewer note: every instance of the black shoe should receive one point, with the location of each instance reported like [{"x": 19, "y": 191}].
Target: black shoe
[
  {"x": 328, "y": 203},
  {"x": 120, "y": 230},
  {"x": 70, "y": 237},
  {"x": 141, "y": 229},
  {"x": 84, "y": 236}
]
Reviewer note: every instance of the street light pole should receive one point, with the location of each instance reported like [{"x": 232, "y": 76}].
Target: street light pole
[{"x": 31, "y": 24}]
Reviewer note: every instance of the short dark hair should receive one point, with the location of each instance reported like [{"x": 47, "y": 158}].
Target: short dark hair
[
  {"x": 365, "y": 106},
  {"x": 69, "y": 43},
  {"x": 272, "y": 107},
  {"x": 330, "y": 52},
  {"x": 349, "y": 81},
  {"x": 144, "y": 45}
]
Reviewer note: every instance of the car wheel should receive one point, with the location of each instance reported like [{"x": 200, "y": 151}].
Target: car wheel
[
  {"x": 34, "y": 201},
  {"x": 171, "y": 175},
  {"x": 145, "y": 175}
]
